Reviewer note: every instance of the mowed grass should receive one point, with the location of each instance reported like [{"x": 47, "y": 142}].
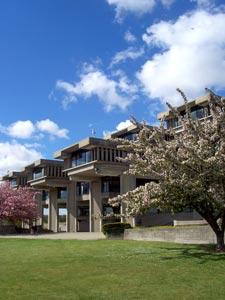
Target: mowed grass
[{"x": 107, "y": 269}]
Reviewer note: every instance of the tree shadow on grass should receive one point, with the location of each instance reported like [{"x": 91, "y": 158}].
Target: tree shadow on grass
[{"x": 203, "y": 253}]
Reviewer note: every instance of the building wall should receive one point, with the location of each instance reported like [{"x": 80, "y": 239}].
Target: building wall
[
  {"x": 162, "y": 218},
  {"x": 184, "y": 234}
]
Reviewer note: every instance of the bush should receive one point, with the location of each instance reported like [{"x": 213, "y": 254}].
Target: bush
[{"x": 115, "y": 228}]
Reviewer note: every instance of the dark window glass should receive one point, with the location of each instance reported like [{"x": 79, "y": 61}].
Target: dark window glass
[
  {"x": 62, "y": 192},
  {"x": 45, "y": 195},
  {"x": 199, "y": 112},
  {"x": 38, "y": 173},
  {"x": 83, "y": 211},
  {"x": 143, "y": 181},
  {"x": 13, "y": 182},
  {"x": 110, "y": 185},
  {"x": 82, "y": 188},
  {"x": 131, "y": 136},
  {"x": 110, "y": 210},
  {"x": 81, "y": 157},
  {"x": 172, "y": 123}
]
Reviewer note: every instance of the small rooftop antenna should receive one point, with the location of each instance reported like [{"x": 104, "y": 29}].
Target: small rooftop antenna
[{"x": 93, "y": 132}]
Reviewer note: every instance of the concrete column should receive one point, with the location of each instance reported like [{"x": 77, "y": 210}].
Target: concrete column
[
  {"x": 95, "y": 207},
  {"x": 72, "y": 207},
  {"x": 98, "y": 150},
  {"x": 53, "y": 210},
  {"x": 110, "y": 154},
  {"x": 38, "y": 198},
  {"x": 127, "y": 183}
]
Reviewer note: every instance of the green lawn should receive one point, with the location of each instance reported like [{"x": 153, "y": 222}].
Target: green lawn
[{"x": 44, "y": 269}]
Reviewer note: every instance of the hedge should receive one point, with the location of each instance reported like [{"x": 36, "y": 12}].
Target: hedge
[{"x": 115, "y": 228}]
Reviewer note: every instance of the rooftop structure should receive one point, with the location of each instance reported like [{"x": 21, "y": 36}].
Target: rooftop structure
[{"x": 199, "y": 110}]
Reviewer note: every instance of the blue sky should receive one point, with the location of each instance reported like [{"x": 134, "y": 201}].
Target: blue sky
[{"x": 70, "y": 66}]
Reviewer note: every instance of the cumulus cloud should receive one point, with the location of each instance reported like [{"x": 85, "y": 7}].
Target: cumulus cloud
[
  {"x": 138, "y": 7},
  {"x": 50, "y": 127},
  {"x": 191, "y": 56},
  {"x": 204, "y": 3},
  {"x": 19, "y": 129},
  {"x": 27, "y": 129},
  {"x": 129, "y": 37},
  {"x": 130, "y": 53},
  {"x": 112, "y": 93},
  {"x": 14, "y": 156},
  {"x": 122, "y": 125}
]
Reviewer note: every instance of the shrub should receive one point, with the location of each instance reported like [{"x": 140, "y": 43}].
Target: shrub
[{"x": 115, "y": 228}]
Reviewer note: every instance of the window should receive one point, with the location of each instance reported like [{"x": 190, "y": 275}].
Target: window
[
  {"x": 131, "y": 136},
  {"x": 199, "y": 112},
  {"x": 83, "y": 211},
  {"x": 45, "y": 195},
  {"x": 108, "y": 210},
  {"x": 38, "y": 173},
  {"x": 62, "y": 192},
  {"x": 110, "y": 185},
  {"x": 172, "y": 123},
  {"x": 81, "y": 157},
  {"x": 13, "y": 182},
  {"x": 142, "y": 181},
  {"x": 82, "y": 188}
]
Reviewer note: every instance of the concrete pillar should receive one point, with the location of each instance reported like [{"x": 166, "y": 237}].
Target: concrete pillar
[
  {"x": 127, "y": 183},
  {"x": 53, "y": 210},
  {"x": 38, "y": 198},
  {"x": 95, "y": 206},
  {"x": 71, "y": 207}
]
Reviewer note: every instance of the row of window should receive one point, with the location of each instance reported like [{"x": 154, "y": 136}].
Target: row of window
[
  {"x": 108, "y": 185},
  {"x": 197, "y": 112},
  {"x": 82, "y": 157}
]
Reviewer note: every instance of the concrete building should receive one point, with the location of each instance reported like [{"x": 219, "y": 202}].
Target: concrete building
[
  {"x": 97, "y": 175},
  {"x": 199, "y": 108},
  {"x": 83, "y": 176}
]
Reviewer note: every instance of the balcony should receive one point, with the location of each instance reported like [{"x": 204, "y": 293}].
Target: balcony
[
  {"x": 92, "y": 157},
  {"x": 83, "y": 157},
  {"x": 45, "y": 173}
]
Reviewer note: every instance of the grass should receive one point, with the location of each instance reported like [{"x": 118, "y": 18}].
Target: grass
[{"x": 107, "y": 269}]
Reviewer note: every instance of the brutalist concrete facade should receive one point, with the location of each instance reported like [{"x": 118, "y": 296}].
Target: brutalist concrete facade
[{"x": 83, "y": 176}]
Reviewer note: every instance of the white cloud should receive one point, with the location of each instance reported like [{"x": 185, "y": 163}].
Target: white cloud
[
  {"x": 133, "y": 6},
  {"x": 191, "y": 56},
  {"x": 33, "y": 145},
  {"x": 112, "y": 93},
  {"x": 50, "y": 127},
  {"x": 204, "y": 3},
  {"x": 130, "y": 53},
  {"x": 19, "y": 129},
  {"x": 129, "y": 37},
  {"x": 14, "y": 156},
  {"x": 107, "y": 133},
  {"x": 124, "y": 124},
  {"x": 167, "y": 3},
  {"x": 138, "y": 7},
  {"x": 27, "y": 129}
]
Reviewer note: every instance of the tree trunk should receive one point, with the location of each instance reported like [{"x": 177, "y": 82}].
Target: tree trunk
[
  {"x": 219, "y": 232},
  {"x": 220, "y": 241}
]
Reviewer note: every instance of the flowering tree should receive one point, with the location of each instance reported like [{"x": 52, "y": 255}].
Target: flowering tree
[
  {"x": 189, "y": 166},
  {"x": 17, "y": 204}
]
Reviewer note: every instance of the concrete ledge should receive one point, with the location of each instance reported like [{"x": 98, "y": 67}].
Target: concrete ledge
[
  {"x": 189, "y": 222},
  {"x": 182, "y": 234},
  {"x": 59, "y": 236}
]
